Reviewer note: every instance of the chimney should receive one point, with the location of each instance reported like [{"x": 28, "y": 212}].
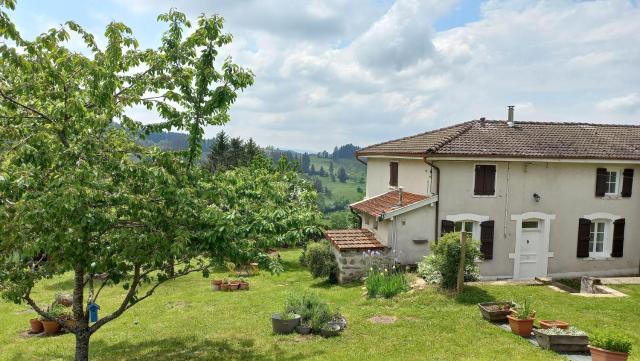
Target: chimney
[
  {"x": 510, "y": 121},
  {"x": 482, "y": 120},
  {"x": 400, "y": 196}
]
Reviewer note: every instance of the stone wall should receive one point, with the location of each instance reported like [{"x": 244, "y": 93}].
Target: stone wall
[{"x": 353, "y": 265}]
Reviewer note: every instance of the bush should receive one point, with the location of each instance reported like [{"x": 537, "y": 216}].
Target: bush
[
  {"x": 441, "y": 265},
  {"x": 385, "y": 284},
  {"x": 312, "y": 310},
  {"x": 611, "y": 341},
  {"x": 320, "y": 261}
]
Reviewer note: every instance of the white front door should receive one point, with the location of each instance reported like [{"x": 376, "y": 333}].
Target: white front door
[{"x": 530, "y": 249}]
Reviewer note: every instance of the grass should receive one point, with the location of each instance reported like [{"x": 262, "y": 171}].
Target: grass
[
  {"x": 385, "y": 284},
  {"x": 348, "y": 190},
  {"x": 184, "y": 320}
]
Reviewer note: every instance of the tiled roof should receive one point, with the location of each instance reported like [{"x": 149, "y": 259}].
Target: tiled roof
[
  {"x": 353, "y": 239},
  {"x": 525, "y": 139},
  {"x": 387, "y": 202}
]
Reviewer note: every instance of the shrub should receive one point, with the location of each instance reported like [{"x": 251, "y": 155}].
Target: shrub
[
  {"x": 611, "y": 341},
  {"x": 441, "y": 265},
  {"x": 385, "y": 284},
  {"x": 312, "y": 310},
  {"x": 320, "y": 261}
]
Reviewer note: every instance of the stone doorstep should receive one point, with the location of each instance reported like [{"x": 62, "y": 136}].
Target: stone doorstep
[{"x": 533, "y": 341}]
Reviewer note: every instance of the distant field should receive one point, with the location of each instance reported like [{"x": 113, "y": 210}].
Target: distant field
[{"x": 356, "y": 172}]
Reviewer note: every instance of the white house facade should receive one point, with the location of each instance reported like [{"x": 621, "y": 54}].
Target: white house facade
[{"x": 544, "y": 199}]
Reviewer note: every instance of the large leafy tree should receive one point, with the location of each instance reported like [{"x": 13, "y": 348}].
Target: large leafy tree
[{"x": 77, "y": 192}]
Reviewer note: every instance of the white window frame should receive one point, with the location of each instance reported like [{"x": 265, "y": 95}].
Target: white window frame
[
  {"x": 594, "y": 224},
  {"x": 366, "y": 220},
  {"x": 375, "y": 223},
  {"x": 495, "y": 182},
  {"x": 607, "y": 219},
  {"x": 619, "y": 180},
  {"x": 528, "y": 228},
  {"x": 475, "y": 219}
]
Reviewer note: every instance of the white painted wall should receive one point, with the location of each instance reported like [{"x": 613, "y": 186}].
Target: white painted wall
[
  {"x": 413, "y": 175},
  {"x": 567, "y": 191}
]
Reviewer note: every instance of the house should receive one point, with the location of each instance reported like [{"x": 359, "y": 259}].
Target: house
[{"x": 543, "y": 198}]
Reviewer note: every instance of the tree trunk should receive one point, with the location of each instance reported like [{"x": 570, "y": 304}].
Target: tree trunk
[{"x": 82, "y": 345}]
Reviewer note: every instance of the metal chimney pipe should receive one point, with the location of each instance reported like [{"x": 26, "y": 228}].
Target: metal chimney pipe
[
  {"x": 510, "y": 120},
  {"x": 400, "y": 196}
]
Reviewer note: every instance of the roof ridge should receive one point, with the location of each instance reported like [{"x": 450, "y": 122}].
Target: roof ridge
[
  {"x": 548, "y": 122},
  {"x": 448, "y": 140},
  {"x": 415, "y": 135}
]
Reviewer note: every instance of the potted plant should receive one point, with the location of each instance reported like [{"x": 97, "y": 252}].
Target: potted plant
[
  {"x": 553, "y": 323},
  {"x": 215, "y": 284},
  {"x": 495, "y": 311},
  {"x": 224, "y": 286},
  {"x": 36, "y": 325},
  {"x": 51, "y": 327},
  {"x": 521, "y": 319},
  {"x": 303, "y": 328},
  {"x": 234, "y": 285},
  {"x": 562, "y": 340},
  {"x": 609, "y": 347},
  {"x": 330, "y": 330},
  {"x": 285, "y": 322},
  {"x": 243, "y": 285}
]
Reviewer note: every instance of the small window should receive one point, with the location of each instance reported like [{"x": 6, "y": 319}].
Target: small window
[
  {"x": 530, "y": 225},
  {"x": 465, "y": 226},
  {"x": 375, "y": 224},
  {"x": 366, "y": 219},
  {"x": 393, "y": 174},
  {"x": 612, "y": 183},
  {"x": 484, "y": 182},
  {"x": 596, "y": 238}
]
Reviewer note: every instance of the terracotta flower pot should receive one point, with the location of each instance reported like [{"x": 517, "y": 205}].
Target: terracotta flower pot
[
  {"x": 224, "y": 287},
  {"x": 521, "y": 327},
  {"x": 50, "y": 327},
  {"x": 600, "y": 354},
  {"x": 234, "y": 285},
  {"x": 215, "y": 284},
  {"x": 243, "y": 286},
  {"x": 70, "y": 324},
  {"x": 36, "y": 325},
  {"x": 553, "y": 323},
  {"x": 254, "y": 267}
]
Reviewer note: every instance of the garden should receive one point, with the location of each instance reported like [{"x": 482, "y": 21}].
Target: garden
[{"x": 187, "y": 320}]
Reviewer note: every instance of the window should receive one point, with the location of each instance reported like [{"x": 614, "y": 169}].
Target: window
[
  {"x": 484, "y": 182},
  {"x": 375, "y": 224},
  {"x": 596, "y": 238},
  {"x": 465, "y": 226},
  {"x": 612, "y": 183},
  {"x": 393, "y": 174},
  {"x": 366, "y": 219},
  {"x": 529, "y": 225}
]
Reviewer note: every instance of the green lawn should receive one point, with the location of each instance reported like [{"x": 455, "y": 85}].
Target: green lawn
[
  {"x": 348, "y": 190},
  {"x": 185, "y": 320}
]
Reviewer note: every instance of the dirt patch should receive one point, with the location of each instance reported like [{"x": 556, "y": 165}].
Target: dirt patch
[{"x": 385, "y": 320}]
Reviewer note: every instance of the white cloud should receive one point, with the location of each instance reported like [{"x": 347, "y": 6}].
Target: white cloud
[
  {"x": 338, "y": 71},
  {"x": 626, "y": 103}
]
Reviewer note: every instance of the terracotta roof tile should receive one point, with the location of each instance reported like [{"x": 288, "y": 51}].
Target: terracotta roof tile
[
  {"x": 387, "y": 202},
  {"x": 527, "y": 140},
  {"x": 353, "y": 239}
]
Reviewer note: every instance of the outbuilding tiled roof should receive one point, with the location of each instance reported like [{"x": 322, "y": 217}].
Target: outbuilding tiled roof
[
  {"x": 387, "y": 202},
  {"x": 496, "y": 138},
  {"x": 353, "y": 239}
]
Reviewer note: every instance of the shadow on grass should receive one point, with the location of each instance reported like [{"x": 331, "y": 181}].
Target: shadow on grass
[
  {"x": 189, "y": 349},
  {"x": 65, "y": 285},
  {"x": 328, "y": 285},
  {"x": 473, "y": 295}
]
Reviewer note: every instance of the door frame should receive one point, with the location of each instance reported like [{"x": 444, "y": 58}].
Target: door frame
[{"x": 543, "y": 252}]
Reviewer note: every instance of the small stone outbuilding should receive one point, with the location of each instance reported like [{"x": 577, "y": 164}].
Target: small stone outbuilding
[{"x": 354, "y": 249}]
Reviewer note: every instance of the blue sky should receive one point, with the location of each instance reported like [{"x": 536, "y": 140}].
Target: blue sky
[{"x": 338, "y": 71}]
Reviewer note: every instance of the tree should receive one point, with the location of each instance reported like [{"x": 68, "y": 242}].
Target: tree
[
  {"x": 312, "y": 170},
  {"x": 217, "y": 160},
  {"x": 76, "y": 187},
  {"x": 252, "y": 151},
  {"x": 342, "y": 175},
  {"x": 322, "y": 172},
  {"x": 331, "y": 169},
  {"x": 237, "y": 156},
  {"x": 306, "y": 161},
  {"x": 317, "y": 185}
]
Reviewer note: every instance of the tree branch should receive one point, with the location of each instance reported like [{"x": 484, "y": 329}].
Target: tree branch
[
  {"x": 125, "y": 302},
  {"x": 33, "y": 110}
]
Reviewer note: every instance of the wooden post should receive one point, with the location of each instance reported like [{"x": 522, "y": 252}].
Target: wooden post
[{"x": 463, "y": 249}]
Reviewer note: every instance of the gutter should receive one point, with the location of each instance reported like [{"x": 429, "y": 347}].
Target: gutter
[
  {"x": 435, "y": 239},
  {"x": 360, "y": 160}
]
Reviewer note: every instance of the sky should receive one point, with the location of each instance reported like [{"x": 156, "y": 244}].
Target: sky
[{"x": 331, "y": 72}]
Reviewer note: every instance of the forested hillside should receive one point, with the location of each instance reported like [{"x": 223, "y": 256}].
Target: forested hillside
[{"x": 337, "y": 176}]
